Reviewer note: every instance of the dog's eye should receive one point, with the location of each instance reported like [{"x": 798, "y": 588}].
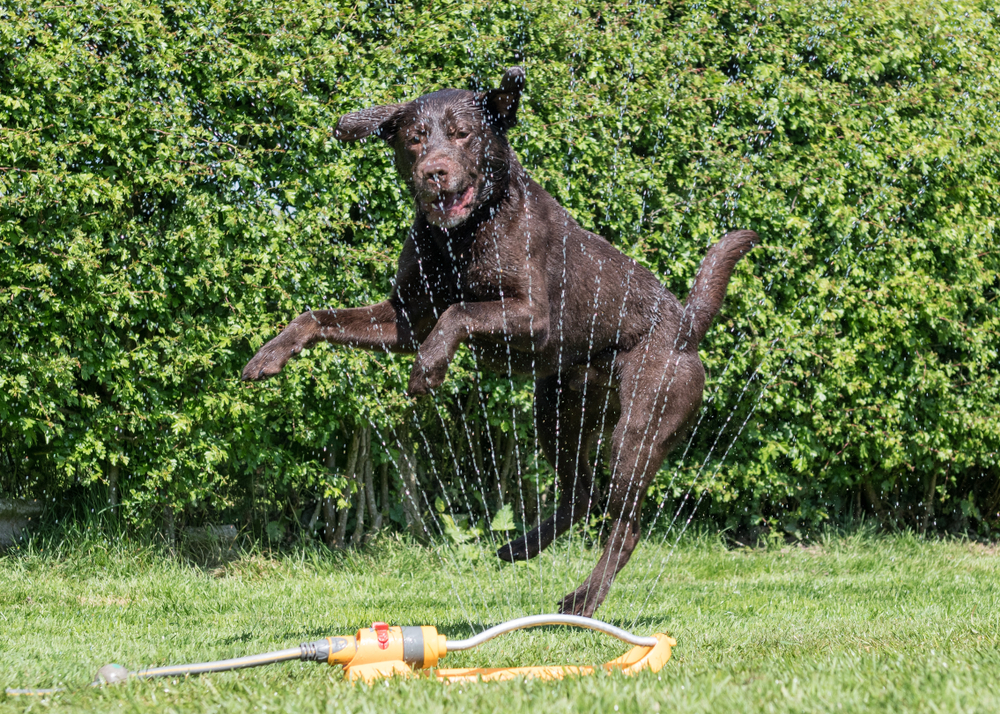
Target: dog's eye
[
  {"x": 414, "y": 140},
  {"x": 461, "y": 134}
]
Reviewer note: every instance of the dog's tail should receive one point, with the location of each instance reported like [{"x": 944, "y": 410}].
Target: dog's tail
[{"x": 709, "y": 286}]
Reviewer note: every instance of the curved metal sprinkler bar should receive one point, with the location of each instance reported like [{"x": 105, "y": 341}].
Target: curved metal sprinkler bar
[{"x": 540, "y": 620}]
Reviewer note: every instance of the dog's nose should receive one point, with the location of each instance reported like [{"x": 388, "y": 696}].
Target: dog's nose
[{"x": 435, "y": 173}]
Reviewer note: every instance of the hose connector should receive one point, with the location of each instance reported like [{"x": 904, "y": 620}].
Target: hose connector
[{"x": 332, "y": 650}]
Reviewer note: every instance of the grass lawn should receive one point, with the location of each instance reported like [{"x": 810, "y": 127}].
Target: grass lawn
[{"x": 854, "y": 623}]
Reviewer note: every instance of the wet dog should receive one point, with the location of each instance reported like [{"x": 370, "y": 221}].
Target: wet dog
[{"x": 493, "y": 261}]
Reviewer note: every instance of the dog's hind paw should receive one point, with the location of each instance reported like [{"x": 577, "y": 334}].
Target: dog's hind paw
[
  {"x": 513, "y": 551},
  {"x": 527, "y": 546},
  {"x": 583, "y": 602}
]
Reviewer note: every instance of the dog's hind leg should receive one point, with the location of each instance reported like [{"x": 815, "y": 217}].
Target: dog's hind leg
[
  {"x": 658, "y": 400},
  {"x": 566, "y": 422}
]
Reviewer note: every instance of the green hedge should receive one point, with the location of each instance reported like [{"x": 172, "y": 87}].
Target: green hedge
[{"x": 171, "y": 194}]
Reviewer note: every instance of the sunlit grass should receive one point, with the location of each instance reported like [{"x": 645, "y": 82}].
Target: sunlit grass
[{"x": 849, "y": 623}]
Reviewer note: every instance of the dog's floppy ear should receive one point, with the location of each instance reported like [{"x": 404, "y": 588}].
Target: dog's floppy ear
[
  {"x": 501, "y": 104},
  {"x": 380, "y": 121}
]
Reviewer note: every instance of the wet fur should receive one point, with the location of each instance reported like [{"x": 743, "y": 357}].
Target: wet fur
[{"x": 493, "y": 261}]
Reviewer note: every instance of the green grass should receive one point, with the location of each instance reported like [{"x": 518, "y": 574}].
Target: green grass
[{"x": 854, "y": 623}]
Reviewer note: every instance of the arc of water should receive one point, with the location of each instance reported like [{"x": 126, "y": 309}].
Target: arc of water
[
  {"x": 628, "y": 418},
  {"x": 440, "y": 528},
  {"x": 444, "y": 428},
  {"x": 781, "y": 368},
  {"x": 722, "y": 110}
]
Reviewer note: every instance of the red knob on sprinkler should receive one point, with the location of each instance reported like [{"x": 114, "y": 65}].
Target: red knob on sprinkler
[{"x": 382, "y": 634}]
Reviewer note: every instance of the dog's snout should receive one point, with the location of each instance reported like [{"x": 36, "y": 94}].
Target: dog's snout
[{"x": 435, "y": 172}]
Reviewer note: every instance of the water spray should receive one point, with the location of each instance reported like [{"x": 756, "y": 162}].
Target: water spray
[{"x": 383, "y": 651}]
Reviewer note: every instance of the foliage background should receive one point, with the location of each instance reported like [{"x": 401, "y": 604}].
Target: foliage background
[{"x": 171, "y": 195}]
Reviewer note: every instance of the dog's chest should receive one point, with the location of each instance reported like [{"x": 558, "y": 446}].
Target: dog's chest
[{"x": 481, "y": 276}]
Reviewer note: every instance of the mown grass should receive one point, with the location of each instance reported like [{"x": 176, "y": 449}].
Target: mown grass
[{"x": 852, "y": 623}]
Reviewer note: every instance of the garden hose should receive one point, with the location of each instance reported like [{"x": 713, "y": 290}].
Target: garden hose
[{"x": 383, "y": 651}]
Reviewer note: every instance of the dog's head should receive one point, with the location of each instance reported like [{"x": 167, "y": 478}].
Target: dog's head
[{"x": 451, "y": 146}]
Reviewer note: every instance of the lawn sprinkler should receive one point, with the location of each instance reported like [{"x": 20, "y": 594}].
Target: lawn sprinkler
[{"x": 382, "y": 651}]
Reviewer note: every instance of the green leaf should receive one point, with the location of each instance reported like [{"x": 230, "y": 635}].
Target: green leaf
[
  {"x": 455, "y": 534},
  {"x": 503, "y": 520}
]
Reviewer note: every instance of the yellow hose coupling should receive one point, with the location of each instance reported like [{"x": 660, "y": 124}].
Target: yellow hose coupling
[{"x": 380, "y": 650}]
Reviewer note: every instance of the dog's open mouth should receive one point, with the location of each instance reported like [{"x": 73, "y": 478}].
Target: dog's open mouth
[{"x": 448, "y": 209}]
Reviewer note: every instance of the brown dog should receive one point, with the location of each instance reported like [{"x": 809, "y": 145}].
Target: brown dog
[{"x": 493, "y": 261}]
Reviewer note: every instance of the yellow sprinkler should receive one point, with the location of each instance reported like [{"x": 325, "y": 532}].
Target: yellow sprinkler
[{"x": 383, "y": 651}]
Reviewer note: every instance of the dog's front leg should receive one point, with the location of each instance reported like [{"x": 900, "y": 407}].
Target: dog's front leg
[
  {"x": 513, "y": 320},
  {"x": 383, "y": 327}
]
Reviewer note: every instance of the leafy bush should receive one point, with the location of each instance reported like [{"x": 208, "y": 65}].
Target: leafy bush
[{"x": 171, "y": 194}]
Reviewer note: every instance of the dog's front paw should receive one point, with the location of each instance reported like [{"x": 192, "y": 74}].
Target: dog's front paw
[
  {"x": 418, "y": 386},
  {"x": 426, "y": 375},
  {"x": 272, "y": 357},
  {"x": 267, "y": 362},
  {"x": 422, "y": 383}
]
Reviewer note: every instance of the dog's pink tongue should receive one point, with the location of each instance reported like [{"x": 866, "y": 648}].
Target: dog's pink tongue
[{"x": 458, "y": 200}]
